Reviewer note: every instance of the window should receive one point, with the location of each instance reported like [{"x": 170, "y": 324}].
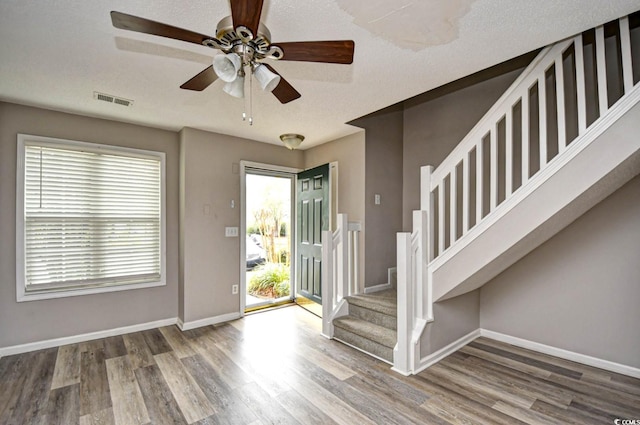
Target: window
[{"x": 90, "y": 218}]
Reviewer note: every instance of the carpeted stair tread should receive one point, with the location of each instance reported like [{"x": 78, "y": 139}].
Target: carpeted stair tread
[
  {"x": 367, "y": 330},
  {"x": 383, "y": 302}
]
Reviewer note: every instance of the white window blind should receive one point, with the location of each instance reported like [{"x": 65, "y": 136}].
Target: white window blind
[{"x": 92, "y": 216}]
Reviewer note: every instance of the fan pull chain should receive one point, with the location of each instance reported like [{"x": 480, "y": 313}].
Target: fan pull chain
[
  {"x": 251, "y": 99},
  {"x": 244, "y": 98}
]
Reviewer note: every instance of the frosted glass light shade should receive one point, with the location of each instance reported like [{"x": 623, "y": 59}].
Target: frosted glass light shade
[
  {"x": 235, "y": 88},
  {"x": 291, "y": 140},
  {"x": 227, "y": 66},
  {"x": 267, "y": 79}
]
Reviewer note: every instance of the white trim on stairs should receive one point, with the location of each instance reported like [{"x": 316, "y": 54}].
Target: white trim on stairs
[
  {"x": 57, "y": 342},
  {"x": 377, "y": 288},
  {"x": 434, "y": 358},
  {"x": 392, "y": 277},
  {"x": 563, "y": 354}
]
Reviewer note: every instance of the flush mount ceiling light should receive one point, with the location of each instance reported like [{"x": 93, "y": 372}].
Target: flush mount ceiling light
[{"x": 291, "y": 140}]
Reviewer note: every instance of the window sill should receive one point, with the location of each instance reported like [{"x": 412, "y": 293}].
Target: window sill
[{"x": 23, "y": 296}]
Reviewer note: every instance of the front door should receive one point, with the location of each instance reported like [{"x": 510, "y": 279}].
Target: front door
[{"x": 313, "y": 218}]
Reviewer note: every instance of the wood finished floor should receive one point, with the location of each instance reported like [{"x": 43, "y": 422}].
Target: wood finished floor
[{"x": 274, "y": 367}]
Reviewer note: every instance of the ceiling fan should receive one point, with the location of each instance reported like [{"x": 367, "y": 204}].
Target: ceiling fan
[{"x": 245, "y": 42}]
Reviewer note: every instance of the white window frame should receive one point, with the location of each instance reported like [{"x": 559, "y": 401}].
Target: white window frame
[{"x": 21, "y": 291}]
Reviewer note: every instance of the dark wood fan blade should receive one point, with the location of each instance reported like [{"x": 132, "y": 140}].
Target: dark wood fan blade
[
  {"x": 137, "y": 24},
  {"x": 246, "y": 13},
  {"x": 339, "y": 51},
  {"x": 283, "y": 91},
  {"x": 202, "y": 80}
]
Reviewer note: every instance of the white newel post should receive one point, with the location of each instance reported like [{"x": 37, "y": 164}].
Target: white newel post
[
  {"x": 327, "y": 283},
  {"x": 401, "y": 356},
  {"x": 427, "y": 205},
  {"x": 335, "y": 278}
]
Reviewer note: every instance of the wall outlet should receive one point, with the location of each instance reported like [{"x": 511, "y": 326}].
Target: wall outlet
[
  {"x": 234, "y": 289},
  {"x": 231, "y": 232},
  {"x": 376, "y": 199}
]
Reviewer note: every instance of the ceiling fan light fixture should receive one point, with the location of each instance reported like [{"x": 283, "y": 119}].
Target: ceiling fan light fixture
[
  {"x": 291, "y": 140},
  {"x": 227, "y": 66},
  {"x": 267, "y": 79},
  {"x": 235, "y": 88}
]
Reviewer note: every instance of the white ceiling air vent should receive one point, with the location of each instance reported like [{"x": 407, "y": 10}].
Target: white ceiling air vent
[{"x": 112, "y": 99}]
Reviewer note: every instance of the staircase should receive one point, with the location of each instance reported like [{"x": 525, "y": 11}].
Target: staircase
[
  {"x": 371, "y": 324},
  {"x": 561, "y": 139}
]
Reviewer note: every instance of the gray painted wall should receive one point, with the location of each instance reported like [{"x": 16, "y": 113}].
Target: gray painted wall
[
  {"x": 454, "y": 318},
  {"x": 211, "y": 261},
  {"x": 46, "y": 319},
  {"x": 433, "y": 128},
  {"x": 383, "y": 176},
  {"x": 580, "y": 290},
  {"x": 202, "y": 264}
]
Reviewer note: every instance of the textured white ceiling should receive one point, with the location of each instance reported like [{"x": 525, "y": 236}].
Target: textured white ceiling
[{"x": 56, "y": 53}]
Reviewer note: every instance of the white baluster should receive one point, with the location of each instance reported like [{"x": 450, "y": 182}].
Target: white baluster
[
  {"x": 602, "y": 71},
  {"x": 479, "y": 185},
  {"x": 562, "y": 132},
  {"x": 453, "y": 197},
  {"x": 508, "y": 145},
  {"x": 542, "y": 118},
  {"x": 465, "y": 194},
  {"x": 580, "y": 85},
  {"x": 526, "y": 126},
  {"x": 441, "y": 217},
  {"x": 493, "y": 167},
  {"x": 625, "y": 48},
  {"x": 342, "y": 263}
]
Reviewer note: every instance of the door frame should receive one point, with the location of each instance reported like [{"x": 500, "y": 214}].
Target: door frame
[
  {"x": 266, "y": 168},
  {"x": 333, "y": 210}
]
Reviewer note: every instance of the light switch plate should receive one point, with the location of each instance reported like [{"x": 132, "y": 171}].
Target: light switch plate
[{"x": 231, "y": 232}]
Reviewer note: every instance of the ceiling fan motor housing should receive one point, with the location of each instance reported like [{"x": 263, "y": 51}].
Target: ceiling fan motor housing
[{"x": 241, "y": 41}]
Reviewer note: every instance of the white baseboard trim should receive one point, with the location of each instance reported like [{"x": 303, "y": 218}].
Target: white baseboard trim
[
  {"x": 57, "y": 342},
  {"x": 185, "y": 326},
  {"x": 563, "y": 354},
  {"x": 434, "y": 358},
  {"x": 377, "y": 288}
]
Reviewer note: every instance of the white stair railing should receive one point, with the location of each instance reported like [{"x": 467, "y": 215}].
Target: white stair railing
[
  {"x": 340, "y": 272},
  {"x": 560, "y": 103},
  {"x": 545, "y": 110}
]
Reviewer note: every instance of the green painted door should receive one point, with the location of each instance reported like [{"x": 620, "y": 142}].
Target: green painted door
[{"x": 313, "y": 217}]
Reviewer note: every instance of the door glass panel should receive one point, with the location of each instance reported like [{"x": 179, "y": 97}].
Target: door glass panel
[{"x": 268, "y": 240}]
